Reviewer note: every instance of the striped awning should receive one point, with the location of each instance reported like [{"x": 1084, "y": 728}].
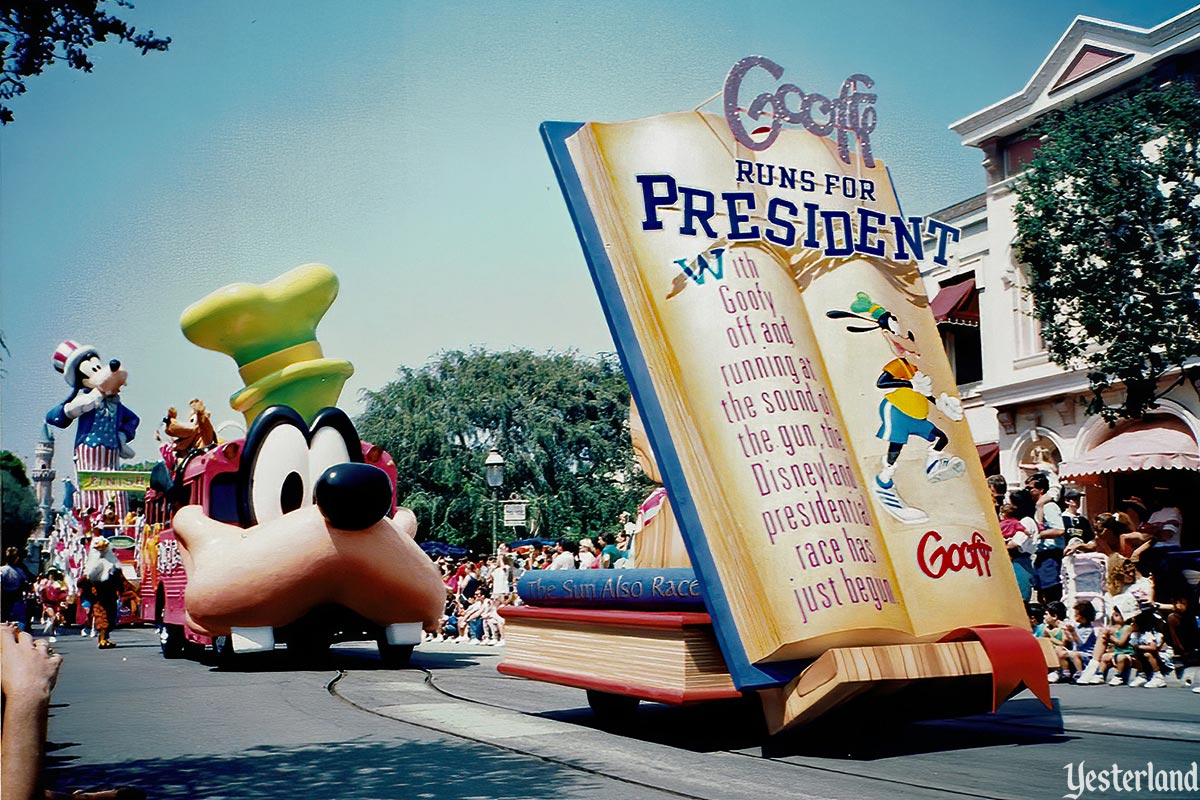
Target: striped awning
[{"x": 1164, "y": 443}]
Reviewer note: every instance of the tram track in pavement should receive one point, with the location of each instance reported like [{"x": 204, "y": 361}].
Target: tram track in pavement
[
  {"x": 331, "y": 687},
  {"x": 895, "y": 786}
]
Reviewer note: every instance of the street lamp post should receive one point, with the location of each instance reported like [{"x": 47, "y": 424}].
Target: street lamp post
[{"x": 493, "y": 472}]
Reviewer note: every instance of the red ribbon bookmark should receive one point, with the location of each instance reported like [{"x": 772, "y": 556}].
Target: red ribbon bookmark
[{"x": 1016, "y": 659}]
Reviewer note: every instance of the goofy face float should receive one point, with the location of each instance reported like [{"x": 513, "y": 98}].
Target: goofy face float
[
  {"x": 304, "y": 523},
  {"x": 299, "y": 519},
  {"x": 105, "y": 426},
  {"x": 904, "y": 410}
]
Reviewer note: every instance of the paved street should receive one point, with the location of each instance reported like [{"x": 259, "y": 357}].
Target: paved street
[{"x": 452, "y": 727}]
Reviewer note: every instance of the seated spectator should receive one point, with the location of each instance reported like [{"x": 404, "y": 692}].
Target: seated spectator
[
  {"x": 1055, "y": 629},
  {"x": 449, "y": 624},
  {"x": 1120, "y": 650},
  {"x": 1177, "y": 602},
  {"x": 1037, "y": 618},
  {"x": 1147, "y": 652},
  {"x": 1085, "y": 637},
  {"x": 472, "y": 618}
]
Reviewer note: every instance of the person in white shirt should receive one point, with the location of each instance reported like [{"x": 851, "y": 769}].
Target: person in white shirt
[
  {"x": 1166, "y": 522},
  {"x": 563, "y": 557},
  {"x": 500, "y": 580}
]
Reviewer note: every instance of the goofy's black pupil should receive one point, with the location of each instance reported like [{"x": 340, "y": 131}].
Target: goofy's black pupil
[{"x": 291, "y": 496}]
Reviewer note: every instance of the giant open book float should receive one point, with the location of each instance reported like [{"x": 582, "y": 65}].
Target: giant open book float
[{"x": 770, "y": 316}]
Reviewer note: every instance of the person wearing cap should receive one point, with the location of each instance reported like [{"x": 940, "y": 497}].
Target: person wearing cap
[{"x": 1075, "y": 523}]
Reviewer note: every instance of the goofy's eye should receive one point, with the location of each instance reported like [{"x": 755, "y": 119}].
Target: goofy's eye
[
  {"x": 279, "y": 477},
  {"x": 327, "y": 449}
]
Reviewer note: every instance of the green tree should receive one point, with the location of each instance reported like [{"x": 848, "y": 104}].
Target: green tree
[
  {"x": 36, "y": 33},
  {"x": 1108, "y": 223},
  {"x": 560, "y": 421},
  {"x": 10, "y": 463},
  {"x": 19, "y": 511}
]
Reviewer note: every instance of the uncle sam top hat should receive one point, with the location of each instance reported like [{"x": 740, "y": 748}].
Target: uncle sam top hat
[{"x": 67, "y": 356}]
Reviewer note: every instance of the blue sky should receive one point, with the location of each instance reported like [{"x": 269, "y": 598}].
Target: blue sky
[{"x": 397, "y": 142}]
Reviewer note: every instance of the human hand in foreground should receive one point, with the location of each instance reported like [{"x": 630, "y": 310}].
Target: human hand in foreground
[{"x": 28, "y": 669}]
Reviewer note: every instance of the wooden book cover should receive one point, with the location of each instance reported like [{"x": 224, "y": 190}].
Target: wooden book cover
[
  {"x": 666, "y": 656},
  {"x": 769, "y": 312}
]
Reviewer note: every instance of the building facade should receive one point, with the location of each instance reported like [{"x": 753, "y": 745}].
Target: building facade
[{"x": 1025, "y": 412}]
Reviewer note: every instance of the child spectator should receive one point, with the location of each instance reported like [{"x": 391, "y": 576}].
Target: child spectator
[
  {"x": 1055, "y": 629},
  {"x": 1036, "y": 618},
  {"x": 1021, "y": 541},
  {"x": 501, "y": 580},
  {"x": 1120, "y": 652},
  {"x": 1085, "y": 637},
  {"x": 1147, "y": 652},
  {"x": 450, "y": 617}
]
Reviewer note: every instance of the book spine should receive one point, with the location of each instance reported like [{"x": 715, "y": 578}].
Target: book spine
[{"x": 633, "y": 589}]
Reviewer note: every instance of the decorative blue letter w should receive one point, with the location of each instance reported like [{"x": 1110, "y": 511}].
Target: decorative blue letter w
[{"x": 702, "y": 265}]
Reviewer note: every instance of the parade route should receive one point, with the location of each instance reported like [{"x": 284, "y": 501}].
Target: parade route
[{"x": 452, "y": 727}]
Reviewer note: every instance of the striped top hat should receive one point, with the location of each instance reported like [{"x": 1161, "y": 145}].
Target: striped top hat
[{"x": 67, "y": 357}]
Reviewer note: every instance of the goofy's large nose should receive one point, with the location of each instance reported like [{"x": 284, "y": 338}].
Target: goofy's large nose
[
  {"x": 353, "y": 497},
  {"x": 114, "y": 365}
]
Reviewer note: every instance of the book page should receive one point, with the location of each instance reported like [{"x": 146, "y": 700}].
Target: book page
[
  {"x": 889, "y": 372},
  {"x": 768, "y": 465}
]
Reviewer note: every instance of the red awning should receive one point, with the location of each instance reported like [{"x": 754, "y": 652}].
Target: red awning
[
  {"x": 958, "y": 302},
  {"x": 988, "y": 453},
  {"x": 1156, "y": 444}
]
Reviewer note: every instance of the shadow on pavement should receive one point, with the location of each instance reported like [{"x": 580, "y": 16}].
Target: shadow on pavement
[
  {"x": 351, "y": 770},
  {"x": 359, "y": 659},
  {"x": 857, "y": 737},
  {"x": 738, "y": 725}
]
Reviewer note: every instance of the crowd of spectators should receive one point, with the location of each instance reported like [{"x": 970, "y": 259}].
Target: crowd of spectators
[
  {"x": 1116, "y": 595},
  {"x": 478, "y": 587}
]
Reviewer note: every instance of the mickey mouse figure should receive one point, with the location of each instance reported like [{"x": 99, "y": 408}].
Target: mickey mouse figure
[
  {"x": 904, "y": 410},
  {"x": 105, "y": 425}
]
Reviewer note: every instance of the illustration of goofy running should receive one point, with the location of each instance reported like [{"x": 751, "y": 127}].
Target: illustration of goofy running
[{"x": 904, "y": 410}]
